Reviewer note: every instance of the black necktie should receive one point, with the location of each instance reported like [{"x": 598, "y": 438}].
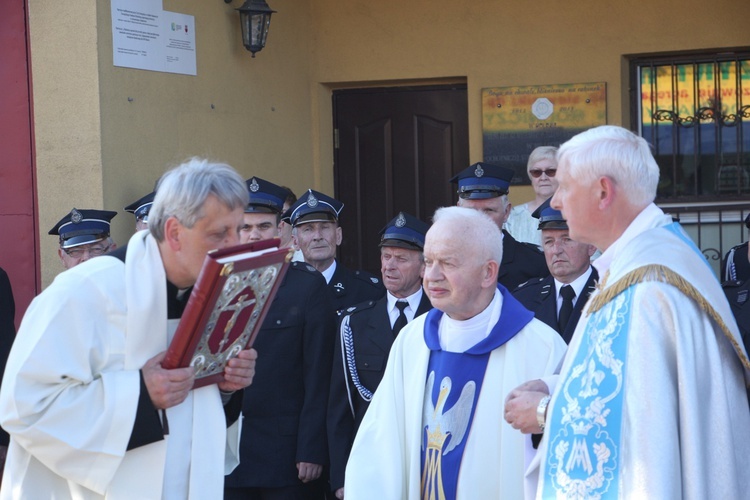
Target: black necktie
[
  {"x": 566, "y": 310},
  {"x": 401, "y": 320}
]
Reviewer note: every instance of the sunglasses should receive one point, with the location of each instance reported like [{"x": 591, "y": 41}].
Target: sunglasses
[{"x": 537, "y": 173}]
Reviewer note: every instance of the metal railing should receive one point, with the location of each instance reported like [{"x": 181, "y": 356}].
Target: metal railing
[{"x": 715, "y": 227}]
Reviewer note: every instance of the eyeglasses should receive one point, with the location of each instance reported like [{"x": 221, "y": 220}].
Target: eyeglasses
[
  {"x": 94, "y": 251},
  {"x": 537, "y": 173}
]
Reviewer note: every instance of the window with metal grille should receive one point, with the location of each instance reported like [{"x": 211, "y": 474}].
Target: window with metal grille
[{"x": 694, "y": 109}]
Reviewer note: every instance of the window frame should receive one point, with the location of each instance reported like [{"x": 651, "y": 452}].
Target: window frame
[{"x": 636, "y": 62}]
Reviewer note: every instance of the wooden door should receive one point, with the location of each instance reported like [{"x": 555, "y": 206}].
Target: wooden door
[{"x": 396, "y": 149}]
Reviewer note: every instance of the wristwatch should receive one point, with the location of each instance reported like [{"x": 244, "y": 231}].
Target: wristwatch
[{"x": 541, "y": 412}]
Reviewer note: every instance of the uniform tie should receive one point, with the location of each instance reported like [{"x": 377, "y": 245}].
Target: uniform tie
[
  {"x": 401, "y": 320},
  {"x": 568, "y": 294}
]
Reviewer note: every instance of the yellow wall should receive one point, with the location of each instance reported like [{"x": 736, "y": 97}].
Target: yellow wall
[
  {"x": 66, "y": 116},
  {"x": 104, "y": 134},
  {"x": 251, "y": 113},
  {"x": 271, "y": 115},
  {"x": 495, "y": 44}
]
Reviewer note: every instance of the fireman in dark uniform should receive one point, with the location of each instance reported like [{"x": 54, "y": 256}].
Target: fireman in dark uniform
[
  {"x": 736, "y": 263},
  {"x": 367, "y": 332},
  {"x": 484, "y": 187},
  {"x": 738, "y": 295},
  {"x": 558, "y": 299},
  {"x": 315, "y": 226},
  {"x": 283, "y": 445}
]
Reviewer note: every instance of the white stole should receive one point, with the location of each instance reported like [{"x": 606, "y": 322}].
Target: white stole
[{"x": 148, "y": 334}]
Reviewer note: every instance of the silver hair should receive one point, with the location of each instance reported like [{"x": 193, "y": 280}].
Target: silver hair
[
  {"x": 542, "y": 153},
  {"x": 475, "y": 229},
  {"x": 182, "y": 193},
  {"x": 616, "y": 153}
]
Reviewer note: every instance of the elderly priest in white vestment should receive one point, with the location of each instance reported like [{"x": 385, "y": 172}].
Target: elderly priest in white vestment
[
  {"x": 435, "y": 426},
  {"x": 90, "y": 411},
  {"x": 650, "y": 401}
]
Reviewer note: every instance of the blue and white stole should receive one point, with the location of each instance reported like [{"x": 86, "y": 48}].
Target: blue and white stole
[
  {"x": 585, "y": 425},
  {"x": 448, "y": 413}
]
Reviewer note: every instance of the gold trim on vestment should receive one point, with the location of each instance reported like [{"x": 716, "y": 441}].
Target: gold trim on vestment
[{"x": 657, "y": 272}]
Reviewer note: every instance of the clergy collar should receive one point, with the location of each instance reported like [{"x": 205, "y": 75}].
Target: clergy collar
[
  {"x": 650, "y": 217},
  {"x": 512, "y": 318},
  {"x": 460, "y": 336},
  {"x": 176, "y": 300}
]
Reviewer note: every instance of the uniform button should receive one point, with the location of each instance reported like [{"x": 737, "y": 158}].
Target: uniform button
[{"x": 278, "y": 321}]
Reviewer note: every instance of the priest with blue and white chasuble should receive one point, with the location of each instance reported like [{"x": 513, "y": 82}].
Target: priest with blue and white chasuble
[
  {"x": 651, "y": 399},
  {"x": 435, "y": 427}
]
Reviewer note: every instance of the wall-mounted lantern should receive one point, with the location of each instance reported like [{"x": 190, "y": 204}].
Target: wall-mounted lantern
[{"x": 255, "y": 18}]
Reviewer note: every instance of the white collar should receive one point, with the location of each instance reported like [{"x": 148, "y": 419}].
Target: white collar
[
  {"x": 460, "y": 336},
  {"x": 328, "y": 273},
  {"x": 414, "y": 299},
  {"x": 650, "y": 217},
  {"x": 577, "y": 283}
]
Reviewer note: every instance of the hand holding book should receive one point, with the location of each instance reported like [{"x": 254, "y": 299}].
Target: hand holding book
[
  {"x": 239, "y": 371},
  {"x": 226, "y": 309}
]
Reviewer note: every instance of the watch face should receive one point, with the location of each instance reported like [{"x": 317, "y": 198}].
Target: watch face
[{"x": 541, "y": 412}]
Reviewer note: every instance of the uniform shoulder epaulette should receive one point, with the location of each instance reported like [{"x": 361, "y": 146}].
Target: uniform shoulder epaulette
[
  {"x": 304, "y": 266},
  {"x": 362, "y": 306},
  {"x": 732, "y": 283},
  {"x": 737, "y": 292},
  {"x": 531, "y": 282},
  {"x": 368, "y": 278}
]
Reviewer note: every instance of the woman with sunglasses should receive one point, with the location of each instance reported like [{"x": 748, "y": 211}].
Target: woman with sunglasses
[{"x": 542, "y": 167}]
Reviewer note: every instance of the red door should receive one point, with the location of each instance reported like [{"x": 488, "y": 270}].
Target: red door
[{"x": 20, "y": 249}]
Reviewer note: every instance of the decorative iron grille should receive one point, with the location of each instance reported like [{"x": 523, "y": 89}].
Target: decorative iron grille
[{"x": 694, "y": 109}]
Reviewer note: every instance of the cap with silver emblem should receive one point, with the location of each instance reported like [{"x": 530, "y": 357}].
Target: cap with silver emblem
[
  {"x": 405, "y": 231},
  {"x": 83, "y": 226},
  {"x": 314, "y": 207},
  {"x": 483, "y": 180},
  {"x": 141, "y": 208},
  {"x": 265, "y": 196}
]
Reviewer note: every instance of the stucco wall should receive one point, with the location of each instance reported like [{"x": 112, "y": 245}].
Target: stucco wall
[
  {"x": 495, "y": 44},
  {"x": 66, "y": 116},
  {"x": 251, "y": 113},
  {"x": 271, "y": 116},
  {"x": 104, "y": 134}
]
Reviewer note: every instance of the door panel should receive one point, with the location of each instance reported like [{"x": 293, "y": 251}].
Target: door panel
[
  {"x": 17, "y": 200},
  {"x": 397, "y": 149}
]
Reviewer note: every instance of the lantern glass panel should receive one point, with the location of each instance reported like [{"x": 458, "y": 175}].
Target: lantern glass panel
[{"x": 254, "y": 30}]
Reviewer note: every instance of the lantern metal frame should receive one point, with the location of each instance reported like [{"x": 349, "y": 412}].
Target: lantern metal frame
[{"x": 255, "y": 20}]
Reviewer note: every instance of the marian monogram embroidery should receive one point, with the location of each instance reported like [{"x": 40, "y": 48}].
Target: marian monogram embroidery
[{"x": 585, "y": 426}]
